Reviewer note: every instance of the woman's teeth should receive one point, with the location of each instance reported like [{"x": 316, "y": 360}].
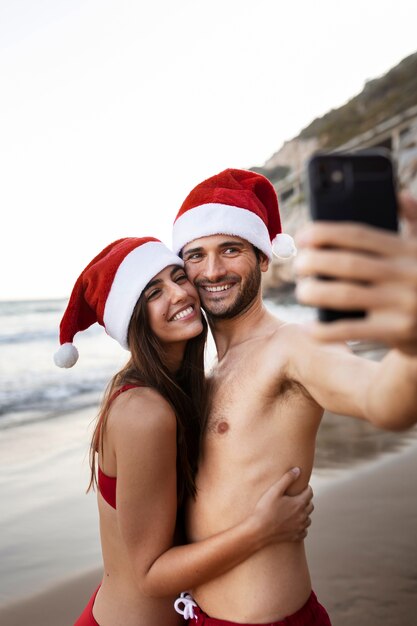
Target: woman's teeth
[{"x": 182, "y": 314}]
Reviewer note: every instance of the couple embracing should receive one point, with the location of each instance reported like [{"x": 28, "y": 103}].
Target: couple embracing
[{"x": 202, "y": 479}]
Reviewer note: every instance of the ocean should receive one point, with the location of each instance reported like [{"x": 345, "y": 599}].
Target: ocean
[{"x": 33, "y": 388}]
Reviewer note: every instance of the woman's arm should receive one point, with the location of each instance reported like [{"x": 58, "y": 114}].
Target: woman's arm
[{"x": 144, "y": 438}]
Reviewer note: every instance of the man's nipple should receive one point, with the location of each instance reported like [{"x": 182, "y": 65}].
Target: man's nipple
[{"x": 222, "y": 427}]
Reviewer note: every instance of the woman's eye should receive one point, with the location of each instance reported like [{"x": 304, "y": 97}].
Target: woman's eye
[{"x": 152, "y": 294}]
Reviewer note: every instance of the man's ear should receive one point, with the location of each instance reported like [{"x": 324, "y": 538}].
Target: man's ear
[
  {"x": 261, "y": 258},
  {"x": 263, "y": 261}
]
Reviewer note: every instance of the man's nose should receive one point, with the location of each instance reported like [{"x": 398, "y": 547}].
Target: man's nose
[{"x": 214, "y": 268}]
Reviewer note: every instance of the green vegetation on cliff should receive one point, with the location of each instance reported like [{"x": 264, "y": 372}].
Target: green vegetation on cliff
[
  {"x": 380, "y": 99},
  {"x": 274, "y": 174}
]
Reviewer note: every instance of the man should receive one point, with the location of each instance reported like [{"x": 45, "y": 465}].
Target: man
[
  {"x": 269, "y": 387},
  {"x": 387, "y": 262}
]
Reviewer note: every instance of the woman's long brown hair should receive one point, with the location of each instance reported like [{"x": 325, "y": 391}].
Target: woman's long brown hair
[{"x": 185, "y": 391}]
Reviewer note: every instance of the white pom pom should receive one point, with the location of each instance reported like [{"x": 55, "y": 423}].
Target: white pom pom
[
  {"x": 283, "y": 246},
  {"x": 66, "y": 356}
]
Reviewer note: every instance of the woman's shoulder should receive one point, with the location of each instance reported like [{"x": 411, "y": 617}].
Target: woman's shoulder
[{"x": 140, "y": 409}]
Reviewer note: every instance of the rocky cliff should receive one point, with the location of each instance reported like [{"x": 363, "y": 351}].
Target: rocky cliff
[{"x": 383, "y": 114}]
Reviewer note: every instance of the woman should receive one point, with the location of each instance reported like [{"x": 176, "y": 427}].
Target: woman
[{"x": 147, "y": 435}]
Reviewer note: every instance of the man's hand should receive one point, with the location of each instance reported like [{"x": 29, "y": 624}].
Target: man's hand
[
  {"x": 375, "y": 271},
  {"x": 282, "y": 517}
]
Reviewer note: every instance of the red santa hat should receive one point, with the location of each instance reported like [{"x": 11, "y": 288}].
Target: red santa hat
[
  {"x": 107, "y": 291},
  {"x": 238, "y": 203}
]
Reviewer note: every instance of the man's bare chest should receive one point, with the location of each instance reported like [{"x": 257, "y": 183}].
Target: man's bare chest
[{"x": 240, "y": 400}]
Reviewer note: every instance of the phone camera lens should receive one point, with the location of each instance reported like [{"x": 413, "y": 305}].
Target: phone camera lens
[{"x": 337, "y": 176}]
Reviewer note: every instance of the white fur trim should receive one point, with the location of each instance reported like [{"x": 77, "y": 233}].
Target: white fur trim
[
  {"x": 66, "y": 355},
  {"x": 132, "y": 276},
  {"x": 221, "y": 219},
  {"x": 283, "y": 246}
]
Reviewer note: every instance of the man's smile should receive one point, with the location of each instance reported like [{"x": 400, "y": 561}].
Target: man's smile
[{"x": 216, "y": 288}]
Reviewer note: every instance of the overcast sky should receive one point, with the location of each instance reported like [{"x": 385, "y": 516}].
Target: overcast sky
[{"x": 112, "y": 110}]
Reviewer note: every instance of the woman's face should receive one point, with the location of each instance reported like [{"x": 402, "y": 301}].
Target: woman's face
[{"x": 173, "y": 306}]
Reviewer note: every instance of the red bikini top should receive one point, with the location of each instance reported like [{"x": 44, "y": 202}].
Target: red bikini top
[{"x": 107, "y": 484}]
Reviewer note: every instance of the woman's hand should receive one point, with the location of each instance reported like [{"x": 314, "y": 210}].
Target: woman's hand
[{"x": 282, "y": 517}]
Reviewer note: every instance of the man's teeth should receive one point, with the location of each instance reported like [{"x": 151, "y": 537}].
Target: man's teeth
[
  {"x": 182, "y": 314},
  {"x": 219, "y": 288}
]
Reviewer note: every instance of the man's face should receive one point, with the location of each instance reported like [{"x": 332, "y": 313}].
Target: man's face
[{"x": 226, "y": 272}]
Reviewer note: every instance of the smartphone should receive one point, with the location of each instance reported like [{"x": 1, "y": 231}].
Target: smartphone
[{"x": 353, "y": 187}]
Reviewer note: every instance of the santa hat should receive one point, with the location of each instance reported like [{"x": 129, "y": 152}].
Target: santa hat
[
  {"x": 107, "y": 291},
  {"x": 238, "y": 203}
]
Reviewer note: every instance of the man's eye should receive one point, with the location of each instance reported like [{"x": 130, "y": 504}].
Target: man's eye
[
  {"x": 231, "y": 250},
  {"x": 181, "y": 278},
  {"x": 193, "y": 257}
]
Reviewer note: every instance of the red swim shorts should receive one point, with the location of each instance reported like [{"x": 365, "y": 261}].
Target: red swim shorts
[
  {"x": 87, "y": 617},
  {"x": 311, "y": 614}
]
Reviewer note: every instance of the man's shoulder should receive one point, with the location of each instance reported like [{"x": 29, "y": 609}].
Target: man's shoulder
[
  {"x": 281, "y": 347},
  {"x": 272, "y": 347},
  {"x": 285, "y": 334}
]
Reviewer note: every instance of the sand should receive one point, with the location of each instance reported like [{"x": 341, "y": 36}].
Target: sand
[
  {"x": 362, "y": 547},
  {"x": 362, "y": 551},
  {"x": 59, "y": 606}
]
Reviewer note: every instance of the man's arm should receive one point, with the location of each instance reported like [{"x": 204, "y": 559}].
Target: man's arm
[
  {"x": 383, "y": 393},
  {"x": 375, "y": 271}
]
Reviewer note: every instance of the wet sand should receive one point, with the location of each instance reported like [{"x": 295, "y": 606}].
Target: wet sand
[
  {"x": 362, "y": 545},
  {"x": 362, "y": 551},
  {"x": 60, "y": 605}
]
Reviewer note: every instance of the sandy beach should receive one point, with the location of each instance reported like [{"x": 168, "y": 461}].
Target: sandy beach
[{"x": 362, "y": 545}]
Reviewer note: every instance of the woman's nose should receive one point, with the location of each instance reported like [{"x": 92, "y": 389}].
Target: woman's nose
[{"x": 177, "y": 292}]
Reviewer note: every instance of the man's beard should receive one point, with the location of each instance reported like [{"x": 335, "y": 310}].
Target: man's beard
[{"x": 248, "y": 292}]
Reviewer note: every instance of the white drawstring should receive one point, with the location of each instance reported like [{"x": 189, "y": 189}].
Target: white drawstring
[{"x": 186, "y": 600}]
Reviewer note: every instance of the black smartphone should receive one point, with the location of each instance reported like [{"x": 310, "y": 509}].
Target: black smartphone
[{"x": 353, "y": 187}]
